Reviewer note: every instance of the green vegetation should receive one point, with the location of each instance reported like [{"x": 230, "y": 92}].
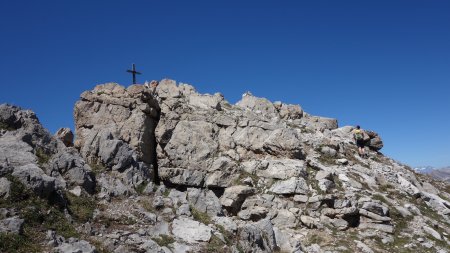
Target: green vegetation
[
  {"x": 386, "y": 187},
  {"x": 98, "y": 246},
  {"x": 39, "y": 214},
  {"x": 42, "y": 156},
  {"x": 216, "y": 245},
  {"x": 140, "y": 188},
  {"x": 163, "y": 240},
  {"x": 228, "y": 236},
  {"x": 428, "y": 211},
  {"x": 97, "y": 167},
  {"x": 17, "y": 243},
  {"x": 380, "y": 197},
  {"x": 147, "y": 205},
  {"x": 166, "y": 192},
  {"x": 81, "y": 208},
  {"x": 314, "y": 239},
  {"x": 243, "y": 175},
  {"x": 306, "y": 130},
  {"x": 311, "y": 179},
  {"x": 338, "y": 183},
  {"x": 200, "y": 216},
  {"x": 327, "y": 160},
  {"x": 126, "y": 220},
  {"x": 227, "y": 105}
]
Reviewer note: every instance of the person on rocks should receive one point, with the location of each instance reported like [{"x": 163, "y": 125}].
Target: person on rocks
[{"x": 358, "y": 135}]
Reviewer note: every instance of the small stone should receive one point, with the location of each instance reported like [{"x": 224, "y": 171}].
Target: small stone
[
  {"x": 227, "y": 223},
  {"x": 290, "y": 186},
  {"x": 76, "y": 191},
  {"x": 158, "y": 202},
  {"x": 184, "y": 210},
  {"x": 342, "y": 161},
  {"x": 308, "y": 221},
  {"x": 301, "y": 198},
  {"x": 432, "y": 232},
  {"x": 248, "y": 181},
  {"x": 253, "y": 213},
  {"x": 324, "y": 175},
  {"x": 363, "y": 247},
  {"x": 388, "y": 239},
  {"x": 234, "y": 196}
]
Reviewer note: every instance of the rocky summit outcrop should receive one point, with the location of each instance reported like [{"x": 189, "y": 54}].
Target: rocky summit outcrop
[
  {"x": 112, "y": 113},
  {"x": 255, "y": 176}
]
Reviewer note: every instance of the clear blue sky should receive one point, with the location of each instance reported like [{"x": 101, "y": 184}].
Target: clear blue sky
[{"x": 382, "y": 64}]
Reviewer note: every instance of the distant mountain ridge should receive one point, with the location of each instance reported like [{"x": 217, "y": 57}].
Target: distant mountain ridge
[
  {"x": 424, "y": 169},
  {"x": 437, "y": 173}
]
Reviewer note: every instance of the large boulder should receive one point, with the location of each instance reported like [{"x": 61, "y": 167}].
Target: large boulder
[
  {"x": 65, "y": 135},
  {"x": 319, "y": 123},
  {"x": 293, "y": 185},
  {"x": 15, "y": 152},
  {"x": 12, "y": 225},
  {"x": 257, "y": 105},
  {"x": 289, "y": 112},
  {"x": 73, "y": 169},
  {"x": 257, "y": 237},
  {"x": 204, "y": 201},
  {"x": 130, "y": 115},
  {"x": 375, "y": 141},
  {"x": 191, "y": 231},
  {"x": 35, "y": 179},
  {"x": 24, "y": 125},
  {"x": 234, "y": 196},
  {"x": 282, "y": 169}
]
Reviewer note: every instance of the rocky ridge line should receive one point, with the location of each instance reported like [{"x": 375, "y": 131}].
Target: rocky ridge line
[{"x": 252, "y": 177}]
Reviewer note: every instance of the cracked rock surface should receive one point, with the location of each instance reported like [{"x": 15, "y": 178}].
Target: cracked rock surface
[{"x": 257, "y": 176}]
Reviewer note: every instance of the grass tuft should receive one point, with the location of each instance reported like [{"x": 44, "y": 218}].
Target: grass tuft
[
  {"x": 164, "y": 240},
  {"x": 39, "y": 214},
  {"x": 140, "y": 188},
  {"x": 82, "y": 208},
  {"x": 216, "y": 245},
  {"x": 200, "y": 216},
  {"x": 42, "y": 156}
]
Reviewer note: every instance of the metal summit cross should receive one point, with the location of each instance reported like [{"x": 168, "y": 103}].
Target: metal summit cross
[{"x": 134, "y": 72}]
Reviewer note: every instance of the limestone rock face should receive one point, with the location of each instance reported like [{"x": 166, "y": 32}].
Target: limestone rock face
[
  {"x": 202, "y": 138},
  {"x": 71, "y": 166},
  {"x": 34, "y": 178},
  {"x": 121, "y": 116},
  {"x": 234, "y": 196},
  {"x": 40, "y": 161},
  {"x": 24, "y": 125},
  {"x": 257, "y": 236},
  {"x": 256, "y": 176}
]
